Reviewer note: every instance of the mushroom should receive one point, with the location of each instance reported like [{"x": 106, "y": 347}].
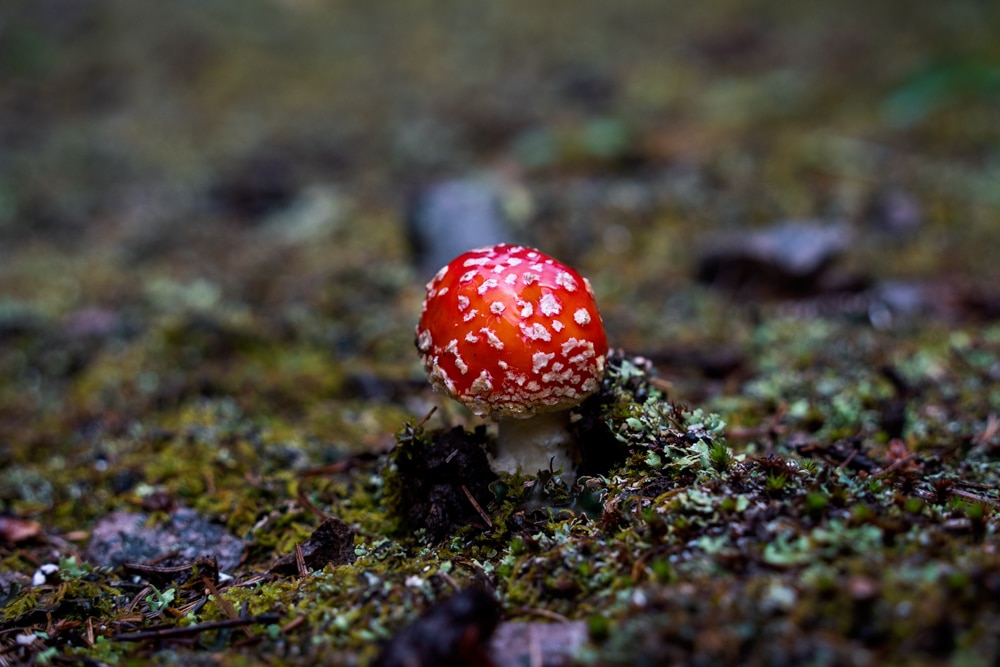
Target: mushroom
[{"x": 515, "y": 336}]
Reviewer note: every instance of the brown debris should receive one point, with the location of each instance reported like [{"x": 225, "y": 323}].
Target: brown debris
[
  {"x": 331, "y": 543},
  {"x": 14, "y": 530}
]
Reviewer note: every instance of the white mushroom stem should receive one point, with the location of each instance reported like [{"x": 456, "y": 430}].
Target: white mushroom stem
[{"x": 537, "y": 443}]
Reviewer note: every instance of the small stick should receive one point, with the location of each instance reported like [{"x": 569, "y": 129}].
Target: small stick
[
  {"x": 426, "y": 417},
  {"x": 308, "y": 504},
  {"x": 300, "y": 560},
  {"x": 850, "y": 457},
  {"x": 145, "y": 569},
  {"x": 468, "y": 494},
  {"x": 972, "y": 496},
  {"x": 168, "y": 633},
  {"x": 224, "y": 604},
  {"x": 543, "y": 613},
  {"x": 897, "y": 463},
  {"x": 292, "y": 624}
]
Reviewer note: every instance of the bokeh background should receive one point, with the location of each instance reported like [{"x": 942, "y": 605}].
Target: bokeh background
[{"x": 233, "y": 198}]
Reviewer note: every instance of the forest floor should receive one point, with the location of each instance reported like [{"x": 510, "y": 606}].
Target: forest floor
[{"x": 217, "y": 444}]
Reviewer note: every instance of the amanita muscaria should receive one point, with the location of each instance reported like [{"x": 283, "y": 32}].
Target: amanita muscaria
[{"x": 516, "y": 336}]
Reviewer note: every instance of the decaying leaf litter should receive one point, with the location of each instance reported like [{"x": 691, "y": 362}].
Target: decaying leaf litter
[{"x": 792, "y": 460}]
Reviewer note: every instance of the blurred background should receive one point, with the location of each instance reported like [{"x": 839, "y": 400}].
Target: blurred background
[{"x": 244, "y": 199}]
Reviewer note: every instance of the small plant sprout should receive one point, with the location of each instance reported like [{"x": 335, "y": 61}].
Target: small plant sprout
[{"x": 516, "y": 336}]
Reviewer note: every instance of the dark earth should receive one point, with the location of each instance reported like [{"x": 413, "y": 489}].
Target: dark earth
[{"x": 217, "y": 444}]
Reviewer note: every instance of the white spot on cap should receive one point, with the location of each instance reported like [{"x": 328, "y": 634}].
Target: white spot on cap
[
  {"x": 561, "y": 378},
  {"x": 442, "y": 291},
  {"x": 469, "y": 315},
  {"x": 440, "y": 274},
  {"x": 471, "y": 337},
  {"x": 565, "y": 280},
  {"x": 476, "y": 261},
  {"x": 487, "y": 285},
  {"x": 540, "y": 360},
  {"x": 424, "y": 341},
  {"x": 550, "y": 305},
  {"x": 493, "y": 339},
  {"x": 514, "y": 261},
  {"x": 510, "y": 279},
  {"x": 499, "y": 268},
  {"x": 463, "y": 302},
  {"x": 526, "y": 308},
  {"x": 452, "y": 347},
  {"x": 536, "y": 331},
  {"x": 481, "y": 384},
  {"x": 517, "y": 378},
  {"x": 582, "y": 316},
  {"x": 497, "y": 307},
  {"x": 557, "y": 325},
  {"x": 467, "y": 276},
  {"x": 581, "y": 359},
  {"x": 527, "y": 277}
]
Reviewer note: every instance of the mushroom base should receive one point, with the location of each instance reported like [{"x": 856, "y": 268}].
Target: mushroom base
[{"x": 538, "y": 443}]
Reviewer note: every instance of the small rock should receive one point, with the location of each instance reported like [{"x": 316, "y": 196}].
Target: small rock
[
  {"x": 452, "y": 216},
  {"x": 896, "y": 213},
  {"x": 790, "y": 258},
  {"x": 122, "y": 537},
  {"x": 862, "y": 588},
  {"x": 544, "y": 644}
]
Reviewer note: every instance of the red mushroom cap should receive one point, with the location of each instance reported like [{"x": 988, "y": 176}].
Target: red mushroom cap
[{"x": 510, "y": 332}]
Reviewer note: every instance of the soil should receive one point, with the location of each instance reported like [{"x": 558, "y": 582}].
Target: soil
[{"x": 217, "y": 443}]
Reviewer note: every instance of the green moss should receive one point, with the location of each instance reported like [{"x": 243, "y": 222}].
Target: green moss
[{"x": 831, "y": 492}]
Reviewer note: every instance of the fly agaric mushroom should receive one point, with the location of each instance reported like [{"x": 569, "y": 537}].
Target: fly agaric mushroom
[{"x": 515, "y": 335}]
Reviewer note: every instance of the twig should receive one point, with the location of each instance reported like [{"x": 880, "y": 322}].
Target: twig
[
  {"x": 344, "y": 465},
  {"x": 168, "y": 633},
  {"x": 292, "y": 624},
  {"x": 151, "y": 571},
  {"x": 543, "y": 613},
  {"x": 486, "y": 518},
  {"x": 308, "y": 504},
  {"x": 850, "y": 457},
  {"x": 430, "y": 413},
  {"x": 224, "y": 604},
  {"x": 640, "y": 563},
  {"x": 451, "y": 580},
  {"x": 896, "y": 464},
  {"x": 974, "y": 497},
  {"x": 990, "y": 429},
  {"x": 300, "y": 560}
]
